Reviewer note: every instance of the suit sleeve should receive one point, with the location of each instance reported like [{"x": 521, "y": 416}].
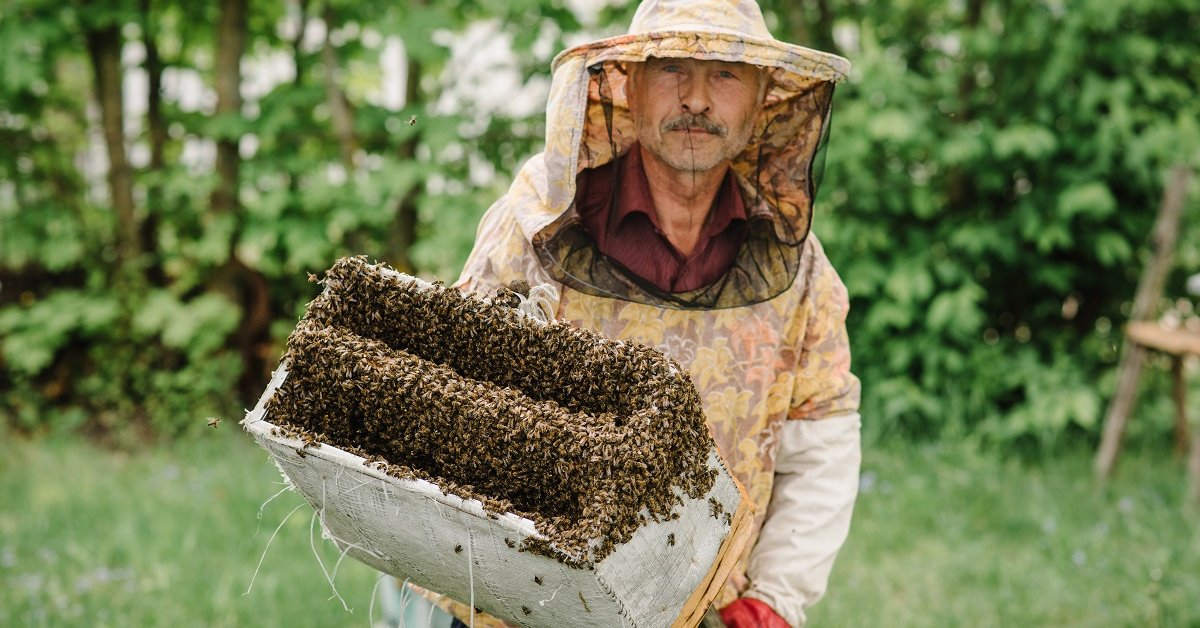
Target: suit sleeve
[
  {"x": 501, "y": 254},
  {"x": 817, "y": 463}
]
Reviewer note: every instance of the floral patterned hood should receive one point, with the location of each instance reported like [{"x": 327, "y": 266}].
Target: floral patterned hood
[{"x": 588, "y": 125}]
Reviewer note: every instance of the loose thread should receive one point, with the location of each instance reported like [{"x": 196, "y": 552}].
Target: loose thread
[
  {"x": 261, "y": 508},
  {"x": 345, "y": 550},
  {"x": 351, "y": 490},
  {"x": 471, "y": 574},
  {"x": 264, "y": 554},
  {"x": 552, "y": 595},
  {"x": 371, "y": 605},
  {"x": 313, "y": 545},
  {"x": 406, "y": 596}
]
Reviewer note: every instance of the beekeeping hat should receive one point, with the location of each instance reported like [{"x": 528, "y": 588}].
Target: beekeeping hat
[
  {"x": 726, "y": 30},
  {"x": 588, "y": 125}
]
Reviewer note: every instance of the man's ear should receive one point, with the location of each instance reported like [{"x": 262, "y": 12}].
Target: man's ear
[
  {"x": 627, "y": 89},
  {"x": 764, "y": 85}
]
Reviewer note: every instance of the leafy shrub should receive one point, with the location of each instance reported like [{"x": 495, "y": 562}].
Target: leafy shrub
[{"x": 992, "y": 177}]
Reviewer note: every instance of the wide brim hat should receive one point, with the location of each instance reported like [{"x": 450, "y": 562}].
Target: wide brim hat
[{"x": 725, "y": 30}]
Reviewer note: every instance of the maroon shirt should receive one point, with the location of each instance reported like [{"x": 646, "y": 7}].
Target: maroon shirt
[{"x": 626, "y": 229}]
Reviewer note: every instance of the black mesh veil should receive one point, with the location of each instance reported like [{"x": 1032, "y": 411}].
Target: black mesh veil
[{"x": 777, "y": 175}]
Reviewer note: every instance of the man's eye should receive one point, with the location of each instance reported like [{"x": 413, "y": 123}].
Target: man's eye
[
  {"x": 726, "y": 74},
  {"x": 671, "y": 68}
]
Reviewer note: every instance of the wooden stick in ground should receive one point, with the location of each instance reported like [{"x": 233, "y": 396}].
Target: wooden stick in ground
[
  {"x": 1150, "y": 289},
  {"x": 1194, "y": 472},
  {"x": 1179, "y": 392}
]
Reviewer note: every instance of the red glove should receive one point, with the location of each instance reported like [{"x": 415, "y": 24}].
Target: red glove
[{"x": 747, "y": 612}]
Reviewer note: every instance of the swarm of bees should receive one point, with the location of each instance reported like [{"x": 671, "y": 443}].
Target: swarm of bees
[{"x": 583, "y": 435}]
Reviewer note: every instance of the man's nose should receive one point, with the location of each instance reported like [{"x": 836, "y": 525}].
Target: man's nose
[{"x": 694, "y": 96}]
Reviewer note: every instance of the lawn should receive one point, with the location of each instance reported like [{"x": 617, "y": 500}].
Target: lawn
[
  {"x": 942, "y": 537},
  {"x": 169, "y": 536}
]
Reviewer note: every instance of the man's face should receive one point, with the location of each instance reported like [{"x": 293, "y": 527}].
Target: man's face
[{"x": 694, "y": 115}]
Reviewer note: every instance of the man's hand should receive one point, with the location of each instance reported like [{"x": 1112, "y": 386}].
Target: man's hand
[{"x": 747, "y": 612}]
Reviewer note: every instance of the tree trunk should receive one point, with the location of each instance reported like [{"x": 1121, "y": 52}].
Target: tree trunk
[
  {"x": 297, "y": 54},
  {"x": 805, "y": 22},
  {"x": 157, "y": 127},
  {"x": 340, "y": 111},
  {"x": 243, "y": 285},
  {"x": 104, "y": 49},
  {"x": 231, "y": 42},
  {"x": 404, "y": 227},
  {"x": 824, "y": 35},
  {"x": 960, "y": 186}
]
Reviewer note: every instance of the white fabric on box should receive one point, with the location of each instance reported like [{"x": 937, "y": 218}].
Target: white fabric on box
[{"x": 411, "y": 529}]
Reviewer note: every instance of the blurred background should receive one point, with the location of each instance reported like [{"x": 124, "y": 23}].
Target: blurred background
[{"x": 171, "y": 173}]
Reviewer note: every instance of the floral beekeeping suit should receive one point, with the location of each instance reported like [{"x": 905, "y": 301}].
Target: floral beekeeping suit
[{"x": 765, "y": 344}]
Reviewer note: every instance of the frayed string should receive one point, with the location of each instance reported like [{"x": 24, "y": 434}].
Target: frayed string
[
  {"x": 471, "y": 574},
  {"x": 371, "y": 605},
  {"x": 263, "y": 507},
  {"x": 312, "y": 543},
  {"x": 264, "y": 553}
]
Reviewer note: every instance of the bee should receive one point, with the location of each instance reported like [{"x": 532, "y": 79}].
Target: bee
[
  {"x": 412, "y": 121},
  {"x": 525, "y": 609},
  {"x": 537, "y": 579},
  {"x": 214, "y": 421},
  {"x": 509, "y": 543},
  {"x": 458, "y": 549},
  {"x": 671, "y": 539}
]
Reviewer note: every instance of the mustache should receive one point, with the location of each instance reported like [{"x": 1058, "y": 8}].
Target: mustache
[{"x": 689, "y": 121}]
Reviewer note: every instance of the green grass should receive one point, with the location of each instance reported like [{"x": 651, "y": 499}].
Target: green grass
[
  {"x": 942, "y": 537},
  {"x": 165, "y": 537}
]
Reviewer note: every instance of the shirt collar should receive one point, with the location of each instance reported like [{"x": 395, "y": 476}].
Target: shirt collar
[{"x": 633, "y": 196}]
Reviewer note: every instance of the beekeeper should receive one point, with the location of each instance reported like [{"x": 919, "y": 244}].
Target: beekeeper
[{"x": 672, "y": 206}]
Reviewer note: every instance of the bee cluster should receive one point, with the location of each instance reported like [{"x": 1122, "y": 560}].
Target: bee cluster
[{"x": 585, "y": 436}]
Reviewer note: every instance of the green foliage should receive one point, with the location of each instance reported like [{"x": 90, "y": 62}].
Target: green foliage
[
  {"x": 991, "y": 178},
  {"x": 33, "y": 335},
  {"x": 91, "y": 340},
  {"x": 991, "y": 183}
]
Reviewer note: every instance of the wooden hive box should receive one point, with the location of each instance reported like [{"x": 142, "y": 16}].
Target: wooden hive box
[{"x": 465, "y": 446}]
